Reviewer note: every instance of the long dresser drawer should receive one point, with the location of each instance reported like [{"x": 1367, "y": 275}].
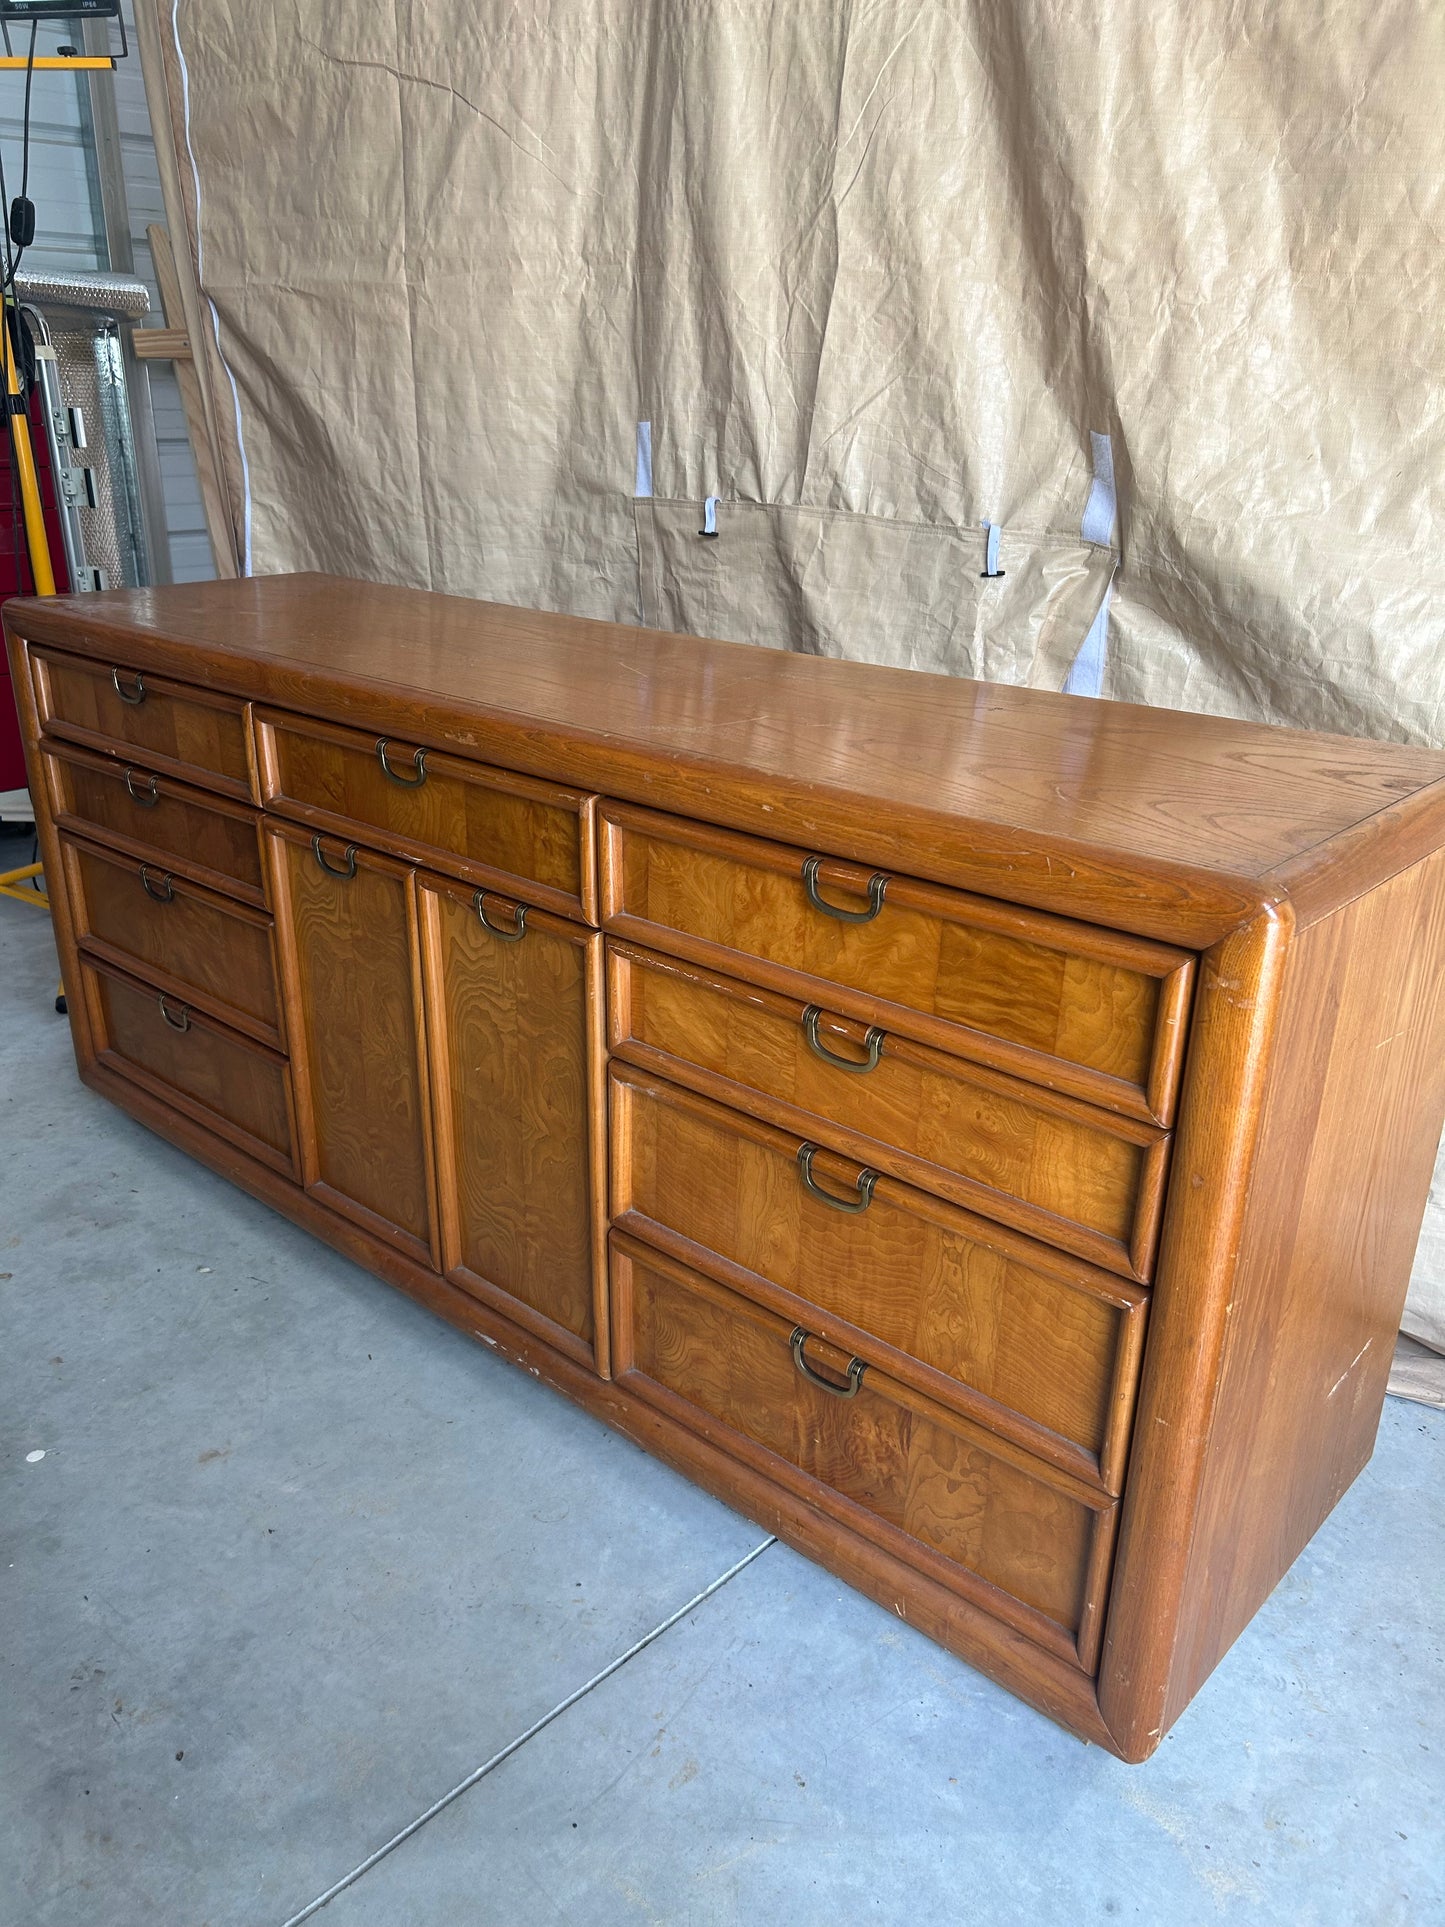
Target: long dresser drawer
[
  {"x": 1041, "y": 1348},
  {"x": 1079, "y": 1177},
  {"x": 1064, "y": 1004},
  {"x": 158, "y": 819},
  {"x": 213, "y": 1075},
  {"x": 512, "y": 833},
  {"x": 1026, "y": 1542},
  {"x": 203, "y": 948},
  {"x": 184, "y": 731}
]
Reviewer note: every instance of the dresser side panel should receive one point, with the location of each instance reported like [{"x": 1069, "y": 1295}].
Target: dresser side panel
[{"x": 1352, "y": 1118}]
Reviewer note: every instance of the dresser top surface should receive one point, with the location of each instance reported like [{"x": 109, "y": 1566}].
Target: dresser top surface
[{"x": 1154, "y": 784}]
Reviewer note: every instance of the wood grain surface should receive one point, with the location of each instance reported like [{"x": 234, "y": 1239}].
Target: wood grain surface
[
  {"x": 207, "y": 949},
  {"x": 1149, "y": 820},
  {"x": 1079, "y": 1177},
  {"x": 179, "y": 728},
  {"x": 1353, "y": 1110},
  {"x": 157, "y": 820},
  {"x": 1019, "y": 1326},
  {"x": 1063, "y": 1003},
  {"x": 213, "y": 1074},
  {"x": 517, "y": 1081},
  {"x": 1017, "y": 1527},
  {"x": 507, "y": 832},
  {"x": 350, "y": 967}
]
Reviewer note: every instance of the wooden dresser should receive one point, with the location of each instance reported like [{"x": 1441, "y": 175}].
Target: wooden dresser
[{"x": 980, "y": 1134}]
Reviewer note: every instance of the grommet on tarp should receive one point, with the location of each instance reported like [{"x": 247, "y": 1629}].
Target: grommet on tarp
[
  {"x": 990, "y": 570},
  {"x": 643, "y": 485},
  {"x": 709, "y": 516}
]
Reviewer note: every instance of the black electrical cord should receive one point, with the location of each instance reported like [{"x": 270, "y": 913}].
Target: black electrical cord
[
  {"x": 25, "y": 134},
  {"x": 9, "y": 313},
  {"x": 20, "y": 218}
]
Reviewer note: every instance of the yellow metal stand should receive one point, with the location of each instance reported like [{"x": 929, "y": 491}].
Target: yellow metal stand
[
  {"x": 39, "y": 548},
  {"x": 10, "y": 881},
  {"x": 35, "y": 540},
  {"x": 57, "y": 63}
]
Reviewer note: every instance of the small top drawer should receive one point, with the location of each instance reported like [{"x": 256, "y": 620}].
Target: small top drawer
[
  {"x": 176, "y": 728},
  {"x": 512, "y": 833},
  {"x": 1064, "y": 1004},
  {"x": 158, "y": 819}
]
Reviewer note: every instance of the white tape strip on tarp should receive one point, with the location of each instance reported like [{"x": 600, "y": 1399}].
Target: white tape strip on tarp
[
  {"x": 643, "y": 485},
  {"x": 1086, "y": 677}
]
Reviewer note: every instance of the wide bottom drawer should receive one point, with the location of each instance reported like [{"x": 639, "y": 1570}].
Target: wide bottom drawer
[
  {"x": 1029, "y": 1544},
  {"x": 226, "y": 1082}
]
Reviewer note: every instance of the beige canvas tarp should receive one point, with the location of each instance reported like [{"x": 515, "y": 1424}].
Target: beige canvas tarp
[{"x": 1156, "y": 292}]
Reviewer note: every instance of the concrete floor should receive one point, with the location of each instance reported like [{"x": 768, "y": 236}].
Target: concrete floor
[{"x": 299, "y": 1560}]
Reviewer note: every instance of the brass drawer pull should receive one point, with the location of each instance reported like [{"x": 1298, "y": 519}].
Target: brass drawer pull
[
  {"x": 383, "y": 743},
  {"x": 519, "y": 913},
  {"x": 147, "y": 798},
  {"x": 181, "y": 1023},
  {"x": 134, "y": 695},
  {"x": 348, "y": 859},
  {"x": 161, "y": 892},
  {"x": 877, "y": 884},
  {"x": 872, "y": 1043},
  {"x": 865, "y": 1182},
  {"x": 856, "y": 1369}
]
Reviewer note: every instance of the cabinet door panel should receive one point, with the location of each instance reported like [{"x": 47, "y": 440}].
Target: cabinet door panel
[
  {"x": 515, "y": 1024},
  {"x": 348, "y": 946}
]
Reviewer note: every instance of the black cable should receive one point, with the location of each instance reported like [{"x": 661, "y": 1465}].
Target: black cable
[
  {"x": 12, "y": 261},
  {"x": 9, "y": 313},
  {"x": 25, "y": 136}
]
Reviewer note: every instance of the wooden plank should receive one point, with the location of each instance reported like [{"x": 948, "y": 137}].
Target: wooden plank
[
  {"x": 162, "y": 344},
  {"x": 188, "y": 380}
]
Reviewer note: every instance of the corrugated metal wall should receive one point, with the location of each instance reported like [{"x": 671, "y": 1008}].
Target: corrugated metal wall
[{"x": 70, "y": 234}]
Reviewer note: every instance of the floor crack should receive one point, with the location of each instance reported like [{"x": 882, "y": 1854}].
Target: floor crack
[{"x": 513, "y": 1746}]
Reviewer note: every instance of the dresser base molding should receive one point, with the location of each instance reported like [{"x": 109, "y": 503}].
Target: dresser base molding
[{"x": 1056, "y": 1688}]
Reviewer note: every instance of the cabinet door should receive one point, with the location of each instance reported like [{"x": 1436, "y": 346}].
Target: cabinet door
[
  {"x": 514, "y": 1017},
  {"x": 346, "y": 923}
]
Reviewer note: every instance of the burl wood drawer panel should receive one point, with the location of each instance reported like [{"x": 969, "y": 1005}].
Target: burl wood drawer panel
[
  {"x": 508, "y": 832},
  {"x": 205, "y": 948},
  {"x": 158, "y": 820},
  {"x": 1017, "y": 1537},
  {"x": 1041, "y": 1348},
  {"x": 514, "y": 1028},
  {"x": 180, "y": 730},
  {"x": 200, "y": 1067},
  {"x": 1081, "y": 1178},
  {"x": 351, "y": 964},
  {"x": 1063, "y": 1004}
]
